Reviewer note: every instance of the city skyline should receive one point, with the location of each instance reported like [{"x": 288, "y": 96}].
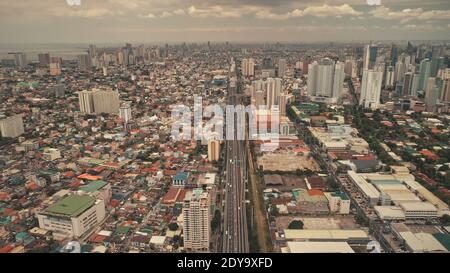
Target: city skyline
[{"x": 114, "y": 21}]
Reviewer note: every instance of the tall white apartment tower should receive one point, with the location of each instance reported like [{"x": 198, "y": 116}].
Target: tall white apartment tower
[
  {"x": 282, "y": 67},
  {"x": 274, "y": 87},
  {"x": 99, "y": 101},
  {"x": 12, "y": 126},
  {"x": 125, "y": 112},
  {"x": 213, "y": 150},
  {"x": 371, "y": 88},
  {"x": 196, "y": 221},
  {"x": 248, "y": 67},
  {"x": 106, "y": 101},
  {"x": 86, "y": 102}
]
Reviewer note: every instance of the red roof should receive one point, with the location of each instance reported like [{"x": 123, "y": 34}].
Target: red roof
[
  {"x": 6, "y": 249},
  {"x": 171, "y": 196},
  {"x": 314, "y": 192}
]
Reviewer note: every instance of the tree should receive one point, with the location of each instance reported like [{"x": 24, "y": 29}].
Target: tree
[
  {"x": 216, "y": 220},
  {"x": 274, "y": 210},
  {"x": 173, "y": 226},
  {"x": 445, "y": 219},
  {"x": 296, "y": 224}
]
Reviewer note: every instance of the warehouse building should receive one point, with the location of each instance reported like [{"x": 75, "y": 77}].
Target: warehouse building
[{"x": 72, "y": 216}]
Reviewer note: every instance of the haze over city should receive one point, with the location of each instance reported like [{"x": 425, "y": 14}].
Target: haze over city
[{"x": 107, "y": 21}]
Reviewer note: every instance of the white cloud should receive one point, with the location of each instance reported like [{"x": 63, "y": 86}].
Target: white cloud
[
  {"x": 149, "y": 16},
  {"x": 83, "y": 13},
  {"x": 215, "y": 11},
  {"x": 407, "y": 15},
  {"x": 166, "y": 14},
  {"x": 337, "y": 11},
  {"x": 179, "y": 12}
]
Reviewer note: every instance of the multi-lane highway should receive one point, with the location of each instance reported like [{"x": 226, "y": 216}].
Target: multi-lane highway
[{"x": 235, "y": 234}]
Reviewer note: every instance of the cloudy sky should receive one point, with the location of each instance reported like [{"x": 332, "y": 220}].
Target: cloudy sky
[{"x": 118, "y": 21}]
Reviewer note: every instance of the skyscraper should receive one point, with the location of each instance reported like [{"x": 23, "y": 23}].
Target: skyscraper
[
  {"x": 432, "y": 93},
  {"x": 390, "y": 76},
  {"x": 125, "y": 112},
  {"x": 84, "y": 62},
  {"x": 99, "y": 101},
  {"x": 282, "y": 104},
  {"x": 274, "y": 88},
  {"x": 371, "y": 88},
  {"x": 282, "y": 67},
  {"x": 55, "y": 69},
  {"x": 338, "y": 81},
  {"x": 44, "y": 59},
  {"x": 213, "y": 150},
  {"x": 414, "y": 85},
  {"x": 20, "y": 59},
  {"x": 425, "y": 72},
  {"x": 196, "y": 221},
  {"x": 106, "y": 101},
  {"x": 86, "y": 102},
  {"x": 12, "y": 126},
  {"x": 259, "y": 98},
  {"x": 325, "y": 78},
  {"x": 407, "y": 82},
  {"x": 370, "y": 56},
  {"x": 248, "y": 67}
]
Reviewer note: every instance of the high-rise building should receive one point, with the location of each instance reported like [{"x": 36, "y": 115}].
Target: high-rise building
[
  {"x": 338, "y": 81},
  {"x": 445, "y": 94},
  {"x": 125, "y": 112},
  {"x": 407, "y": 83},
  {"x": 248, "y": 67},
  {"x": 414, "y": 85},
  {"x": 325, "y": 78},
  {"x": 370, "y": 56},
  {"x": 371, "y": 88},
  {"x": 282, "y": 104},
  {"x": 259, "y": 98},
  {"x": 86, "y": 101},
  {"x": 92, "y": 51},
  {"x": 12, "y": 126},
  {"x": 390, "y": 76},
  {"x": 196, "y": 221},
  {"x": 106, "y": 101},
  {"x": 282, "y": 67},
  {"x": 44, "y": 59},
  {"x": 55, "y": 69},
  {"x": 274, "y": 88},
  {"x": 84, "y": 62},
  {"x": 400, "y": 69},
  {"x": 432, "y": 93},
  {"x": 213, "y": 150},
  {"x": 425, "y": 72},
  {"x": 99, "y": 101},
  {"x": 20, "y": 59}
]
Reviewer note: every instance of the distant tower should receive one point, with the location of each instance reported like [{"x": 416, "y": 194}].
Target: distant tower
[
  {"x": 371, "y": 88},
  {"x": 84, "y": 62},
  {"x": 44, "y": 59},
  {"x": 196, "y": 220},
  {"x": 282, "y": 67},
  {"x": 12, "y": 126},
  {"x": 125, "y": 112},
  {"x": 213, "y": 150},
  {"x": 248, "y": 67}
]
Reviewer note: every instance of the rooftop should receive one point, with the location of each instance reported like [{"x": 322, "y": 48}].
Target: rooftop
[
  {"x": 72, "y": 205},
  {"x": 93, "y": 186}
]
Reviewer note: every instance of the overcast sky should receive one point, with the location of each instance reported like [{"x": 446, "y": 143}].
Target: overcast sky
[{"x": 118, "y": 21}]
